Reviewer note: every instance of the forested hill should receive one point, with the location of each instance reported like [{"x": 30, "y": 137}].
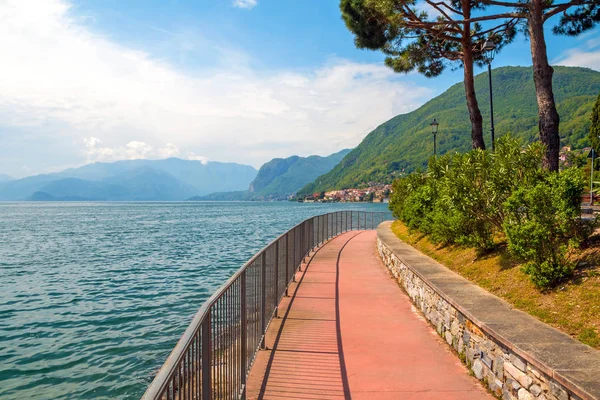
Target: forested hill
[{"x": 405, "y": 142}]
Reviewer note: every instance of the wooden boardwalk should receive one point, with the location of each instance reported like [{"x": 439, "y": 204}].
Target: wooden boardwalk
[{"x": 347, "y": 331}]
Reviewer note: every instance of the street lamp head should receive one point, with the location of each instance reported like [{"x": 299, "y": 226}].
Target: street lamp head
[
  {"x": 434, "y": 126},
  {"x": 489, "y": 47}
]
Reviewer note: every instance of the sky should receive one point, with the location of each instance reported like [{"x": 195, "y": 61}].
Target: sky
[{"x": 213, "y": 80}]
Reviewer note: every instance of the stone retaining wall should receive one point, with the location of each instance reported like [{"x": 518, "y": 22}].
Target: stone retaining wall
[{"x": 491, "y": 359}]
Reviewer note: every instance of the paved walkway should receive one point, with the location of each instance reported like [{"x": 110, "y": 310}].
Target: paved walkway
[{"x": 347, "y": 331}]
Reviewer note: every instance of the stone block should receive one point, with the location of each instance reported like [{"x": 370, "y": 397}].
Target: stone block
[
  {"x": 523, "y": 379},
  {"x": 466, "y": 337},
  {"x": 535, "y": 390},
  {"x": 478, "y": 369},
  {"x": 518, "y": 362},
  {"x": 470, "y": 355},
  {"x": 507, "y": 395},
  {"x": 499, "y": 367},
  {"x": 454, "y": 328},
  {"x": 534, "y": 372},
  {"x": 496, "y": 387},
  {"x": 515, "y": 386},
  {"x": 524, "y": 395},
  {"x": 558, "y": 392},
  {"x": 448, "y": 336}
]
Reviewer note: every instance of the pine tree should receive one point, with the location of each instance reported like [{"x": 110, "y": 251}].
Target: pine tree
[
  {"x": 577, "y": 16},
  {"x": 412, "y": 40}
]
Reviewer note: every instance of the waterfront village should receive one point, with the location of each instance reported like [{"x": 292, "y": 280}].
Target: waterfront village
[
  {"x": 379, "y": 193},
  {"x": 374, "y": 193}
]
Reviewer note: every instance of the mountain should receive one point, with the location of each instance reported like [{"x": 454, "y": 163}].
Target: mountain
[
  {"x": 205, "y": 177},
  {"x": 161, "y": 180},
  {"x": 285, "y": 176},
  {"x": 404, "y": 143},
  {"x": 282, "y": 177},
  {"x": 5, "y": 178}
]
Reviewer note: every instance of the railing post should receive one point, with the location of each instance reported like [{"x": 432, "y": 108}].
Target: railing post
[
  {"x": 320, "y": 230},
  {"x": 244, "y": 338},
  {"x": 314, "y": 234},
  {"x": 318, "y": 241},
  {"x": 296, "y": 246},
  {"x": 263, "y": 300},
  {"x": 303, "y": 243},
  {"x": 347, "y": 224},
  {"x": 276, "y": 297},
  {"x": 287, "y": 263},
  {"x": 206, "y": 358}
]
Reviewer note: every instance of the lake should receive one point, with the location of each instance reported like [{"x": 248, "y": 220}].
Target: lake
[{"x": 94, "y": 296}]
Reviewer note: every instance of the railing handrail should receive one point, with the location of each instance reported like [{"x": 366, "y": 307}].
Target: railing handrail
[
  {"x": 184, "y": 342},
  {"x": 179, "y": 352}
]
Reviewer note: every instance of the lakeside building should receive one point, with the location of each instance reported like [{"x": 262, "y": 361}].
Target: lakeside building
[{"x": 376, "y": 193}]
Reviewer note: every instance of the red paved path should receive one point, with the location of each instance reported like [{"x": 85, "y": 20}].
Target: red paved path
[{"x": 352, "y": 333}]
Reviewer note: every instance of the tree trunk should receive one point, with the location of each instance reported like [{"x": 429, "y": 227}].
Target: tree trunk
[
  {"x": 474, "y": 112},
  {"x": 542, "y": 78}
]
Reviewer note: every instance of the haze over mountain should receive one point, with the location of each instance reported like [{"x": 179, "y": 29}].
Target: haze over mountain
[
  {"x": 282, "y": 177},
  {"x": 4, "y": 178},
  {"x": 405, "y": 142},
  {"x": 168, "y": 179}
]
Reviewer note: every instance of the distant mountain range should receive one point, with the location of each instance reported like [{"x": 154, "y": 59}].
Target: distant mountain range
[
  {"x": 405, "y": 143},
  {"x": 281, "y": 177},
  {"x": 5, "y": 178},
  {"x": 171, "y": 179}
]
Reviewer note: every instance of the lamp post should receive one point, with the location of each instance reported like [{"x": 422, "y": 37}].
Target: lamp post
[
  {"x": 434, "y": 130},
  {"x": 592, "y": 178},
  {"x": 489, "y": 48}
]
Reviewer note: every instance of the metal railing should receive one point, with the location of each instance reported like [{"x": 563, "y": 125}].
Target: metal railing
[{"x": 213, "y": 357}]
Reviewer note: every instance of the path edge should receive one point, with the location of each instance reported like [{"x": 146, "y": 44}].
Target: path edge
[{"x": 514, "y": 354}]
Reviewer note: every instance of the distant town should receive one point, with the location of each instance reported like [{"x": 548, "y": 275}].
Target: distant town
[{"x": 375, "y": 193}]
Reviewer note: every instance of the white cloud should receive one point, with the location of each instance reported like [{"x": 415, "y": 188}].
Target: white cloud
[
  {"x": 580, "y": 58},
  {"x": 193, "y": 156},
  {"x": 63, "y": 84},
  {"x": 245, "y": 3},
  {"x": 586, "y": 56},
  {"x": 432, "y": 12},
  {"x": 133, "y": 150}
]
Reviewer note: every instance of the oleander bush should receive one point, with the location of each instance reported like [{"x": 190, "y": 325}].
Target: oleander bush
[
  {"x": 477, "y": 197},
  {"x": 543, "y": 224}
]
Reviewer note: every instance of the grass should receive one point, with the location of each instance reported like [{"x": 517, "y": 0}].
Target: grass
[{"x": 572, "y": 307}]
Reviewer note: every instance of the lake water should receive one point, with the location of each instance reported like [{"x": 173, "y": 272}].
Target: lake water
[{"x": 94, "y": 296}]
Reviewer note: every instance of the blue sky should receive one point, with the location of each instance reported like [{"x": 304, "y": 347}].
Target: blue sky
[{"x": 216, "y": 80}]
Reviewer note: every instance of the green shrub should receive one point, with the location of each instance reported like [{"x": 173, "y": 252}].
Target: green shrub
[
  {"x": 472, "y": 198},
  {"x": 543, "y": 223},
  {"x": 459, "y": 199},
  {"x": 412, "y": 200}
]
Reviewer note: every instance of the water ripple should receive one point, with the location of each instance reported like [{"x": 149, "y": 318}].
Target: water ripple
[{"x": 93, "y": 296}]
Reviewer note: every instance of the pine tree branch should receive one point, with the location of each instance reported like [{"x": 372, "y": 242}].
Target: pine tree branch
[
  {"x": 558, "y": 8},
  {"x": 503, "y": 3},
  {"x": 437, "y": 7}
]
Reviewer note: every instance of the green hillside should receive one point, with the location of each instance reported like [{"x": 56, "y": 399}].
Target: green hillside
[{"x": 405, "y": 142}]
